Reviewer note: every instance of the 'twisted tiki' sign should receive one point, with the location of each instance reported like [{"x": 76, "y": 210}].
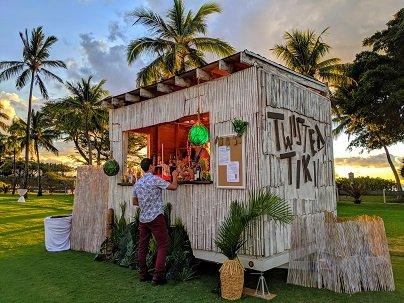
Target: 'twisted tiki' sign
[{"x": 295, "y": 134}]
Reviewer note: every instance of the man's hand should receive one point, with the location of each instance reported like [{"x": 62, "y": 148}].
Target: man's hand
[
  {"x": 174, "y": 184},
  {"x": 175, "y": 175}
]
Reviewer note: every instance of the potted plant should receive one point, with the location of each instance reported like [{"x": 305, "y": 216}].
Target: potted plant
[{"x": 231, "y": 235}]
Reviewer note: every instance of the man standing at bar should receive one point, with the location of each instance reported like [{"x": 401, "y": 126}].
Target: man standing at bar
[{"x": 147, "y": 194}]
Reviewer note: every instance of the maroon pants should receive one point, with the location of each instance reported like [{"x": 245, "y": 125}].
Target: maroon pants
[{"x": 158, "y": 228}]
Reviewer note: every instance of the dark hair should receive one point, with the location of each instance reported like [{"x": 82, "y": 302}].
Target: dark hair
[{"x": 145, "y": 164}]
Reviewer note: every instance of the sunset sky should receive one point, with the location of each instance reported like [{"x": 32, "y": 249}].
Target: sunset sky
[{"x": 93, "y": 35}]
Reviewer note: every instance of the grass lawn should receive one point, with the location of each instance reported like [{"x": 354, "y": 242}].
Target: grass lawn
[{"x": 30, "y": 274}]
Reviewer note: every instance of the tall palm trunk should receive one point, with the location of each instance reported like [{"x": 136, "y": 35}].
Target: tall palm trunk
[
  {"x": 98, "y": 157},
  {"x": 38, "y": 165},
  {"x": 393, "y": 168},
  {"x": 27, "y": 135},
  {"x": 90, "y": 151},
  {"x": 14, "y": 172}
]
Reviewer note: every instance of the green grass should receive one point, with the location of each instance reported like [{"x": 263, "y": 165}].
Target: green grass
[{"x": 30, "y": 274}]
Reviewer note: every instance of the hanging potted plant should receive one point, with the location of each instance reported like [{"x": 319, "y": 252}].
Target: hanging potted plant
[
  {"x": 239, "y": 126},
  {"x": 231, "y": 236}
]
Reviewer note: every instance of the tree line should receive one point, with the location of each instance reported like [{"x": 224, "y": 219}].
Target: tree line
[{"x": 366, "y": 94}]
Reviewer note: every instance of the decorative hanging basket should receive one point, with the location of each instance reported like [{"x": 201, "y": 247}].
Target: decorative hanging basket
[
  {"x": 111, "y": 167},
  {"x": 232, "y": 279},
  {"x": 198, "y": 134}
]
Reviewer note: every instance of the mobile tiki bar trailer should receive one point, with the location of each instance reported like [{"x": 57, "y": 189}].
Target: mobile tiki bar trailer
[{"x": 286, "y": 147}]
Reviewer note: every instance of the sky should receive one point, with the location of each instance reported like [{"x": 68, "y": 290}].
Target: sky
[{"x": 93, "y": 35}]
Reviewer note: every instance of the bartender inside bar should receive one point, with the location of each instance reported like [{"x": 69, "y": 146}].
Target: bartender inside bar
[{"x": 170, "y": 149}]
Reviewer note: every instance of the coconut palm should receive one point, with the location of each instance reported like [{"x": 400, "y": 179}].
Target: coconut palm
[
  {"x": 304, "y": 52},
  {"x": 3, "y": 116},
  {"x": 15, "y": 142},
  {"x": 178, "y": 42},
  {"x": 3, "y": 147},
  {"x": 42, "y": 137},
  {"x": 84, "y": 107},
  {"x": 33, "y": 68}
]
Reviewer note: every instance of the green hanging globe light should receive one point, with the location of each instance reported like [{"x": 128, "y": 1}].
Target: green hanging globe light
[
  {"x": 111, "y": 167},
  {"x": 198, "y": 134}
]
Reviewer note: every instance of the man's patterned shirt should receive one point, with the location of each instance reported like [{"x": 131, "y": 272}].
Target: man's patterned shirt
[{"x": 148, "y": 191}]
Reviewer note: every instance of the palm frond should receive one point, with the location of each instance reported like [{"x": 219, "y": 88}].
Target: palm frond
[
  {"x": 213, "y": 45},
  {"x": 50, "y": 75},
  {"x": 7, "y": 64},
  {"x": 23, "y": 78},
  {"x": 146, "y": 45},
  {"x": 54, "y": 63},
  {"x": 11, "y": 72},
  {"x": 176, "y": 16},
  {"x": 42, "y": 88},
  {"x": 197, "y": 23},
  {"x": 152, "y": 20}
]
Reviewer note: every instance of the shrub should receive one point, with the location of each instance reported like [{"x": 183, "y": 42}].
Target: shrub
[
  {"x": 368, "y": 183},
  {"x": 122, "y": 247}
]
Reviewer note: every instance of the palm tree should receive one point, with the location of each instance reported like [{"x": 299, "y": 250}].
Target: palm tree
[
  {"x": 42, "y": 136},
  {"x": 304, "y": 51},
  {"x": 178, "y": 42},
  {"x": 33, "y": 67},
  {"x": 3, "y": 116},
  {"x": 15, "y": 143},
  {"x": 3, "y": 146},
  {"x": 84, "y": 107}
]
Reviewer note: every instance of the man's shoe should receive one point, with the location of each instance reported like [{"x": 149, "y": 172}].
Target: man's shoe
[
  {"x": 159, "y": 282},
  {"x": 145, "y": 278}
]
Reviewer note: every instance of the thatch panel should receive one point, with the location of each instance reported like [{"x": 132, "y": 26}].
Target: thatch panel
[
  {"x": 342, "y": 255},
  {"x": 89, "y": 209}
]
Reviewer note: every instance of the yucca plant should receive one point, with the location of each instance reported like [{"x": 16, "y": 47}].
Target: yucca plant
[{"x": 231, "y": 237}]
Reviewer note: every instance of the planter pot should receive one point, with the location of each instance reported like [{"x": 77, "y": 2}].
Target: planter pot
[{"x": 232, "y": 279}]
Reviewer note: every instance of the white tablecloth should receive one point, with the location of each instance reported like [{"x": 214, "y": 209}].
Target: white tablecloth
[{"x": 57, "y": 233}]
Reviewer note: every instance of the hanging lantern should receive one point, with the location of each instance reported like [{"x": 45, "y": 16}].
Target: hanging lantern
[
  {"x": 198, "y": 134},
  {"x": 111, "y": 167}
]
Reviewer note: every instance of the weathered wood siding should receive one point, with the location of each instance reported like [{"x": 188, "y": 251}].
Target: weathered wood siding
[
  {"x": 280, "y": 95},
  {"x": 244, "y": 94}
]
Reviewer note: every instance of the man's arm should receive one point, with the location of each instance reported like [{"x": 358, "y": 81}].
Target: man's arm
[
  {"x": 135, "y": 201},
  {"x": 173, "y": 185}
]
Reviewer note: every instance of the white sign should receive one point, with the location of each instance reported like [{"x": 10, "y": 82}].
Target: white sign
[
  {"x": 224, "y": 155},
  {"x": 233, "y": 171}
]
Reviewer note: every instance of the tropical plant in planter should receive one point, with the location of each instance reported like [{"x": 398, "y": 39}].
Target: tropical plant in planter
[
  {"x": 239, "y": 126},
  {"x": 231, "y": 236}
]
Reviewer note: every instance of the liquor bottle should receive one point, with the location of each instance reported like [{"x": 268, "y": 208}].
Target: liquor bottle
[{"x": 197, "y": 175}]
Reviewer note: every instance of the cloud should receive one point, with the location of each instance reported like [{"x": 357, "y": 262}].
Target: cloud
[
  {"x": 14, "y": 104},
  {"x": 376, "y": 161},
  {"x": 7, "y": 109},
  {"x": 103, "y": 61},
  {"x": 258, "y": 25},
  {"x": 115, "y": 32}
]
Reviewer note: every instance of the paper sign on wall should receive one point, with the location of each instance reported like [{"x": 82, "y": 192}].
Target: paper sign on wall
[
  {"x": 224, "y": 155},
  {"x": 233, "y": 171}
]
